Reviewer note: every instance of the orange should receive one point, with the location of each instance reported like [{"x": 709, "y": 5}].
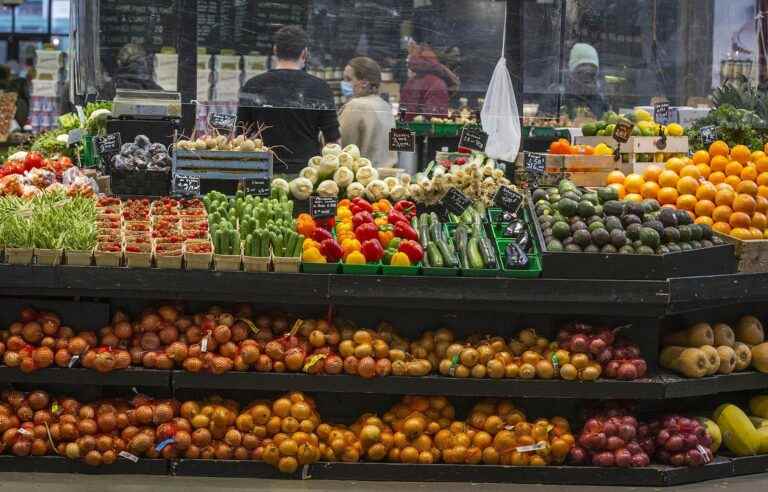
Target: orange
[
  {"x": 762, "y": 190},
  {"x": 650, "y": 189},
  {"x": 704, "y": 220},
  {"x": 744, "y": 203},
  {"x": 634, "y": 197},
  {"x": 690, "y": 170},
  {"x": 686, "y": 202},
  {"x": 718, "y": 163},
  {"x": 756, "y": 232},
  {"x": 687, "y": 185},
  {"x": 719, "y": 147},
  {"x": 733, "y": 181},
  {"x": 740, "y": 219},
  {"x": 722, "y": 213},
  {"x": 716, "y": 177},
  {"x": 761, "y": 204},
  {"x": 704, "y": 208},
  {"x": 760, "y": 221},
  {"x": 675, "y": 164},
  {"x": 706, "y": 191},
  {"x": 740, "y": 153},
  {"x": 668, "y": 178},
  {"x": 668, "y": 195},
  {"x": 765, "y": 148},
  {"x": 762, "y": 179},
  {"x": 634, "y": 183},
  {"x": 724, "y": 197},
  {"x": 749, "y": 173},
  {"x": 619, "y": 189},
  {"x": 747, "y": 187},
  {"x": 741, "y": 233},
  {"x": 762, "y": 165},
  {"x": 651, "y": 173},
  {"x": 721, "y": 227},
  {"x": 724, "y": 186},
  {"x": 704, "y": 170},
  {"x": 733, "y": 168},
  {"x": 615, "y": 176},
  {"x": 701, "y": 157},
  {"x": 756, "y": 155}
]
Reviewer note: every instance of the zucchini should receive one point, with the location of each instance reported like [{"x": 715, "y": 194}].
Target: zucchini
[
  {"x": 460, "y": 236},
  {"x": 486, "y": 249},
  {"x": 473, "y": 254},
  {"x": 449, "y": 257},
  {"x": 434, "y": 256}
]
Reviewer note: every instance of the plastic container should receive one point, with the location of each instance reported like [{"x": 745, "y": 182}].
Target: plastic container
[
  {"x": 169, "y": 262},
  {"x": 227, "y": 263},
  {"x": 307, "y": 267},
  {"x": 446, "y": 129},
  {"x": 533, "y": 270},
  {"x": 48, "y": 257},
  {"x": 108, "y": 258},
  {"x": 401, "y": 271},
  {"x": 367, "y": 269},
  {"x": 88, "y": 158},
  {"x": 286, "y": 264},
  {"x": 19, "y": 256},
  {"x": 78, "y": 258},
  {"x": 256, "y": 264}
]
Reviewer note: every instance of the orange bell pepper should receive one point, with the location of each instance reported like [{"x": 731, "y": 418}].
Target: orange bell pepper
[
  {"x": 386, "y": 234},
  {"x": 350, "y": 245},
  {"x": 344, "y": 203},
  {"x": 383, "y": 205},
  {"x": 305, "y": 225},
  {"x": 345, "y": 235}
]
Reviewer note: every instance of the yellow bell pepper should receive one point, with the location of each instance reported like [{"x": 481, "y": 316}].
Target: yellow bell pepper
[
  {"x": 343, "y": 213},
  {"x": 355, "y": 258},
  {"x": 342, "y": 227},
  {"x": 350, "y": 245},
  {"x": 400, "y": 259},
  {"x": 309, "y": 243},
  {"x": 380, "y": 221},
  {"x": 341, "y": 236},
  {"x": 312, "y": 255}
]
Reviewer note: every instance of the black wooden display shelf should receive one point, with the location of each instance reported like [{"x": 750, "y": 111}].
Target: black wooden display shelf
[
  {"x": 692, "y": 293},
  {"x": 59, "y": 464},
  {"x": 748, "y": 465},
  {"x": 79, "y": 376},
  {"x": 654, "y": 476},
  {"x": 677, "y": 387}
]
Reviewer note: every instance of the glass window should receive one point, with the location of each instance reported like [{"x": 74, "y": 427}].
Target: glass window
[
  {"x": 32, "y": 16},
  {"x": 60, "y": 17},
  {"x": 5, "y": 19}
]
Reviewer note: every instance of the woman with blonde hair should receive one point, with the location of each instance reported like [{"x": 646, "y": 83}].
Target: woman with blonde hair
[{"x": 367, "y": 118}]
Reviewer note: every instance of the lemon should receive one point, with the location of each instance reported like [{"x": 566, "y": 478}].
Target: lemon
[
  {"x": 674, "y": 130},
  {"x": 643, "y": 115}
]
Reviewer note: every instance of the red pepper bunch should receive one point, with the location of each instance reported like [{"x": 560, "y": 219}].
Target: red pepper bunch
[{"x": 375, "y": 231}]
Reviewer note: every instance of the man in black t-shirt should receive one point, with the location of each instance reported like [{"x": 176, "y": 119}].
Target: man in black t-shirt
[{"x": 293, "y": 104}]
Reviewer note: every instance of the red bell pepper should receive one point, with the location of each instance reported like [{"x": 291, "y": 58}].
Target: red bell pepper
[
  {"x": 320, "y": 235},
  {"x": 361, "y": 218},
  {"x": 360, "y": 205},
  {"x": 405, "y": 231},
  {"x": 372, "y": 250},
  {"x": 406, "y": 208},
  {"x": 33, "y": 160},
  {"x": 331, "y": 250},
  {"x": 413, "y": 249},
  {"x": 367, "y": 231},
  {"x": 395, "y": 217}
]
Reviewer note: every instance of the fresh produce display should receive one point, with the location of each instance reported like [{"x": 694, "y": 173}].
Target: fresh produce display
[
  {"x": 644, "y": 126},
  {"x": 573, "y": 220},
  {"x": 704, "y": 349},
  {"x": 613, "y": 437},
  {"x": 723, "y": 188},
  {"x": 468, "y": 247},
  {"x": 28, "y": 173},
  {"x": 7, "y": 113},
  {"x": 248, "y": 142},
  {"x": 743, "y": 434},
  {"x": 141, "y": 155}
]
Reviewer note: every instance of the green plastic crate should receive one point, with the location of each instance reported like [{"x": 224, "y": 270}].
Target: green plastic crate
[
  {"x": 533, "y": 270},
  {"x": 439, "y": 272},
  {"x": 480, "y": 272},
  {"x": 89, "y": 157},
  {"x": 320, "y": 267},
  {"x": 367, "y": 269},
  {"x": 446, "y": 129},
  {"x": 494, "y": 215},
  {"x": 401, "y": 271}
]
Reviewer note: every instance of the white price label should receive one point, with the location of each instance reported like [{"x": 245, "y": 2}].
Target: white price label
[
  {"x": 204, "y": 345},
  {"x": 129, "y": 456},
  {"x": 532, "y": 447}
]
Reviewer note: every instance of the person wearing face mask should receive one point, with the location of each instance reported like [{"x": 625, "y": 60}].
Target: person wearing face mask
[
  {"x": 367, "y": 118},
  {"x": 584, "y": 86},
  {"x": 294, "y": 106}
]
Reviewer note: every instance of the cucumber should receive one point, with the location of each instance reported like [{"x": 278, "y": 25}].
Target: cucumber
[
  {"x": 449, "y": 256},
  {"x": 434, "y": 256},
  {"x": 486, "y": 249},
  {"x": 473, "y": 254}
]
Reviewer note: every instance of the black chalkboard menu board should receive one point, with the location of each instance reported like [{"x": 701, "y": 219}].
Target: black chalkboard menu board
[{"x": 147, "y": 23}]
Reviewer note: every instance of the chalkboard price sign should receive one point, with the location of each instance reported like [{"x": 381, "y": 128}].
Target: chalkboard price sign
[
  {"x": 223, "y": 121},
  {"x": 508, "y": 199},
  {"x": 661, "y": 113},
  {"x": 534, "y": 163},
  {"x": 322, "y": 207},
  {"x": 708, "y": 134},
  {"x": 455, "y": 201},
  {"x": 402, "y": 140},
  {"x": 623, "y": 131},
  {"x": 472, "y": 138},
  {"x": 186, "y": 185},
  {"x": 108, "y": 144},
  {"x": 257, "y": 187}
]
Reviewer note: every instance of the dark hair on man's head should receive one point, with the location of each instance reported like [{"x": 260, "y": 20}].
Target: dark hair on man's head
[{"x": 290, "y": 41}]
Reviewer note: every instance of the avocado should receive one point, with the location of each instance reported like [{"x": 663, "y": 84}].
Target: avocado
[
  {"x": 668, "y": 217},
  {"x": 683, "y": 217},
  {"x": 586, "y": 208},
  {"x": 607, "y": 194},
  {"x": 706, "y": 243},
  {"x": 595, "y": 225},
  {"x": 717, "y": 240},
  {"x": 686, "y": 247},
  {"x": 673, "y": 247},
  {"x": 572, "y": 195},
  {"x": 557, "y": 216},
  {"x": 554, "y": 245},
  {"x": 609, "y": 249},
  {"x": 637, "y": 244},
  {"x": 671, "y": 235},
  {"x": 573, "y": 248},
  {"x": 591, "y": 197},
  {"x": 650, "y": 237},
  {"x": 706, "y": 231},
  {"x": 582, "y": 237},
  {"x": 599, "y": 210},
  {"x": 696, "y": 244},
  {"x": 612, "y": 223},
  {"x": 696, "y": 233},
  {"x": 650, "y": 205},
  {"x": 567, "y": 207},
  {"x": 593, "y": 219},
  {"x": 600, "y": 237},
  {"x": 633, "y": 231},
  {"x": 546, "y": 220},
  {"x": 565, "y": 185},
  {"x": 568, "y": 240},
  {"x": 539, "y": 195},
  {"x": 633, "y": 208},
  {"x": 685, "y": 233},
  {"x": 614, "y": 208},
  {"x": 645, "y": 250},
  {"x": 554, "y": 197},
  {"x": 547, "y": 232},
  {"x": 591, "y": 248},
  {"x": 662, "y": 250},
  {"x": 618, "y": 238},
  {"x": 627, "y": 250},
  {"x": 655, "y": 225},
  {"x": 578, "y": 226},
  {"x": 561, "y": 230},
  {"x": 627, "y": 220}
]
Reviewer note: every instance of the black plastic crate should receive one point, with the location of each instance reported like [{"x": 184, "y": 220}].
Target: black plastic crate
[{"x": 140, "y": 183}]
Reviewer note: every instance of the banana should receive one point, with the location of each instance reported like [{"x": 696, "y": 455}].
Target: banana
[
  {"x": 739, "y": 435},
  {"x": 758, "y": 405},
  {"x": 758, "y": 421},
  {"x": 714, "y": 432},
  {"x": 763, "y": 433}
]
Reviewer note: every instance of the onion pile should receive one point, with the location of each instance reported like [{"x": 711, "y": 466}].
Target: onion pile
[
  {"x": 615, "y": 356},
  {"x": 612, "y": 439},
  {"x": 680, "y": 441}
]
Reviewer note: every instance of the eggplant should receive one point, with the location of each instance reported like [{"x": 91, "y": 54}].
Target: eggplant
[
  {"x": 516, "y": 257},
  {"x": 508, "y": 217},
  {"x": 514, "y": 230},
  {"x": 524, "y": 241}
]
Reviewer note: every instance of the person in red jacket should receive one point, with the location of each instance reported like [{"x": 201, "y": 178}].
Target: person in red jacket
[{"x": 427, "y": 90}]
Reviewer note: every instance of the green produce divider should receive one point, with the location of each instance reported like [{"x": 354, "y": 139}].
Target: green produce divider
[
  {"x": 367, "y": 269},
  {"x": 401, "y": 271}
]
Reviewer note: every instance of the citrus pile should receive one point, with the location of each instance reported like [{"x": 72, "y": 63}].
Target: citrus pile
[{"x": 722, "y": 187}]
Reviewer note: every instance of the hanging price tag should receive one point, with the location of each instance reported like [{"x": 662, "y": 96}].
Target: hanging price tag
[
  {"x": 708, "y": 134},
  {"x": 508, "y": 199},
  {"x": 186, "y": 185},
  {"x": 402, "y": 140},
  {"x": 223, "y": 121},
  {"x": 534, "y": 163},
  {"x": 472, "y": 138},
  {"x": 455, "y": 201},
  {"x": 108, "y": 144},
  {"x": 623, "y": 131},
  {"x": 661, "y": 113},
  {"x": 322, "y": 207},
  {"x": 257, "y": 187}
]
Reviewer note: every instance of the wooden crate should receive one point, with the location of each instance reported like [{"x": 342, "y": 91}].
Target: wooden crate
[
  {"x": 214, "y": 165},
  {"x": 595, "y": 141},
  {"x": 640, "y": 145},
  {"x": 752, "y": 255},
  {"x": 583, "y": 170}
]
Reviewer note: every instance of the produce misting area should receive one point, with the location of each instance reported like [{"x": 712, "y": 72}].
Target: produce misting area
[{"x": 586, "y": 312}]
